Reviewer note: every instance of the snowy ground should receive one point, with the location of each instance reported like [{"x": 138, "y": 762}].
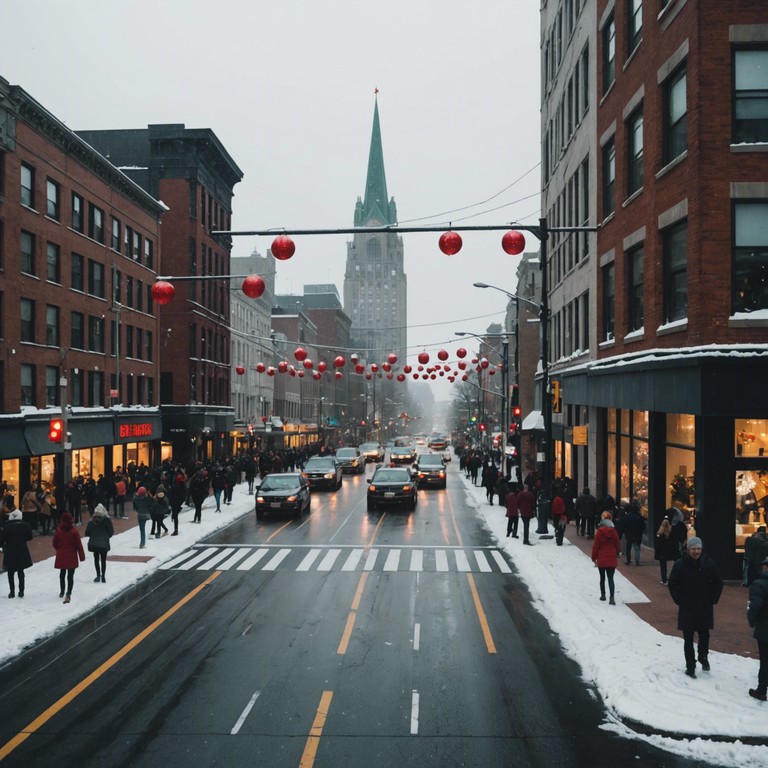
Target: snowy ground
[{"x": 637, "y": 670}]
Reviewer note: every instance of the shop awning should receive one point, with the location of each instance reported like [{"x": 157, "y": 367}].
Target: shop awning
[
  {"x": 12, "y": 442},
  {"x": 533, "y": 421}
]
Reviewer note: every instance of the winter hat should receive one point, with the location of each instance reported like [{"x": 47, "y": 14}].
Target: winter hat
[
  {"x": 15, "y": 515},
  {"x": 141, "y": 491},
  {"x": 100, "y": 511},
  {"x": 160, "y": 489},
  {"x": 66, "y": 520},
  {"x": 694, "y": 541}
]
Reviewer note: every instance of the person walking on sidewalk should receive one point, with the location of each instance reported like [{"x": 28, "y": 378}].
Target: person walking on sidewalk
[
  {"x": 176, "y": 495},
  {"x": 634, "y": 528},
  {"x": 99, "y": 531},
  {"x": 695, "y": 586},
  {"x": 199, "y": 488},
  {"x": 69, "y": 554},
  {"x": 513, "y": 513},
  {"x": 526, "y": 506},
  {"x": 14, "y": 536},
  {"x": 586, "y": 511},
  {"x": 606, "y": 548},
  {"x": 160, "y": 510},
  {"x": 665, "y": 548},
  {"x": 218, "y": 483},
  {"x": 142, "y": 504},
  {"x": 121, "y": 491},
  {"x": 757, "y": 616},
  {"x": 559, "y": 516}
]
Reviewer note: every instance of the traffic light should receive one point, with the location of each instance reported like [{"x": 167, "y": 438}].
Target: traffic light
[
  {"x": 515, "y": 395},
  {"x": 55, "y": 430},
  {"x": 517, "y": 411},
  {"x": 481, "y": 426}
]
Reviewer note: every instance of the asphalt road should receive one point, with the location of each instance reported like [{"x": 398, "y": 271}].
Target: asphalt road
[{"x": 346, "y": 639}]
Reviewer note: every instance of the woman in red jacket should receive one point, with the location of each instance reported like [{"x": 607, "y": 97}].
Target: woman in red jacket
[
  {"x": 69, "y": 548},
  {"x": 605, "y": 553}
]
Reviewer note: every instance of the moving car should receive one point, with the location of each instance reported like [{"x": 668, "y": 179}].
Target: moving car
[
  {"x": 430, "y": 470},
  {"x": 401, "y": 455},
  {"x": 437, "y": 443},
  {"x": 351, "y": 460},
  {"x": 392, "y": 486},
  {"x": 283, "y": 492},
  {"x": 323, "y": 472},
  {"x": 446, "y": 454},
  {"x": 372, "y": 451}
]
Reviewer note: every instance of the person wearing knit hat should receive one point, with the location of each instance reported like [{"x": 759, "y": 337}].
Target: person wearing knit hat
[
  {"x": 695, "y": 586},
  {"x": 161, "y": 508},
  {"x": 142, "y": 505},
  {"x": 99, "y": 531},
  {"x": 69, "y": 553},
  {"x": 14, "y": 536}
]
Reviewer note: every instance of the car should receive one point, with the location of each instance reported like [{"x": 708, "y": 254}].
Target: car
[
  {"x": 283, "y": 492},
  {"x": 446, "y": 454},
  {"x": 421, "y": 439},
  {"x": 323, "y": 472},
  {"x": 437, "y": 443},
  {"x": 392, "y": 486},
  {"x": 372, "y": 451},
  {"x": 401, "y": 455},
  {"x": 430, "y": 470},
  {"x": 351, "y": 460}
]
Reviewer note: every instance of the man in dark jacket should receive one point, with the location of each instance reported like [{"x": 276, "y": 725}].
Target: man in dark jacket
[
  {"x": 755, "y": 551},
  {"x": 586, "y": 511},
  {"x": 634, "y": 528},
  {"x": 695, "y": 586},
  {"x": 757, "y": 616}
]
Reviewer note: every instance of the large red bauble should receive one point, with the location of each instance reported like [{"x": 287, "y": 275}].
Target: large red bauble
[
  {"x": 270, "y": 371},
  {"x": 300, "y": 353},
  {"x": 451, "y": 379},
  {"x": 389, "y": 376},
  {"x": 386, "y": 367},
  {"x": 450, "y": 243},
  {"x": 441, "y": 373},
  {"x": 283, "y": 247},
  {"x": 484, "y": 363},
  {"x": 239, "y": 370},
  {"x": 401, "y": 377},
  {"x": 374, "y": 367},
  {"x": 260, "y": 367},
  {"x": 354, "y": 358},
  {"x": 461, "y": 352},
  {"x": 513, "y": 242},
  {"x": 462, "y": 364},
  {"x": 307, "y": 363},
  {"x": 391, "y": 358},
  {"x": 282, "y": 366},
  {"x": 446, "y": 367},
  {"x": 162, "y": 292},
  {"x": 316, "y": 375},
  {"x": 338, "y": 374},
  {"x": 253, "y": 286},
  {"x": 415, "y": 375},
  {"x": 423, "y": 358},
  {"x": 368, "y": 376},
  {"x": 292, "y": 371},
  {"x": 339, "y": 361},
  {"x": 432, "y": 376},
  {"x": 407, "y": 369},
  {"x": 474, "y": 361},
  {"x": 321, "y": 366},
  {"x": 301, "y": 374},
  {"x": 442, "y": 355},
  {"x": 464, "y": 377},
  {"x": 492, "y": 371},
  {"x": 359, "y": 368}
]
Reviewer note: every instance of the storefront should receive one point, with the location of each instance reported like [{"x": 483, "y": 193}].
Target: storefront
[{"x": 196, "y": 432}]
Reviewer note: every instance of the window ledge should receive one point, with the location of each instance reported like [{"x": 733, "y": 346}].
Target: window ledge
[
  {"x": 610, "y": 217},
  {"x": 674, "y": 327},
  {"x": 756, "y": 147},
  {"x": 632, "y": 55},
  {"x": 607, "y": 93},
  {"x": 741, "y": 321},
  {"x": 637, "y": 335},
  {"x": 607, "y": 343},
  {"x": 672, "y": 164},
  {"x": 632, "y": 197}
]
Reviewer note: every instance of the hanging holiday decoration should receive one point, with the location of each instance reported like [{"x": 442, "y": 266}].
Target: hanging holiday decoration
[
  {"x": 317, "y": 375},
  {"x": 462, "y": 365},
  {"x": 407, "y": 369},
  {"x": 386, "y": 367},
  {"x": 359, "y": 368},
  {"x": 368, "y": 376},
  {"x": 423, "y": 358},
  {"x": 484, "y": 363},
  {"x": 338, "y": 374},
  {"x": 260, "y": 367},
  {"x": 442, "y": 355},
  {"x": 492, "y": 371},
  {"x": 391, "y": 358},
  {"x": 308, "y": 363},
  {"x": 401, "y": 376},
  {"x": 354, "y": 358},
  {"x": 253, "y": 286},
  {"x": 263, "y": 419},
  {"x": 339, "y": 361},
  {"x": 283, "y": 247},
  {"x": 271, "y": 371},
  {"x": 461, "y": 352},
  {"x": 374, "y": 367},
  {"x": 239, "y": 370},
  {"x": 389, "y": 376},
  {"x": 321, "y": 366},
  {"x": 300, "y": 374},
  {"x": 162, "y": 292},
  {"x": 300, "y": 353},
  {"x": 282, "y": 366},
  {"x": 450, "y": 243},
  {"x": 513, "y": 243}
]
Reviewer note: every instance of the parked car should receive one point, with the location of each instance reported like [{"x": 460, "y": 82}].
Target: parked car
[
  {"x": 372, "y": 451},
  {"x": 323, "y": 472},
  {"x": 430, "y": 470},
  {"x": 283, "y": 492},
  {"x": 401, "y": 455},
  {"x": 351, "y": 460},
  {"x": 392, "y": 486}
]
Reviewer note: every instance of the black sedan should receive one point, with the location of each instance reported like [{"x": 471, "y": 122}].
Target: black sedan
[
  {"x": 372, "y": 451},
  {"x": 430, "y": 470},
  {"x": 401, "y": 455},
  {"x": 283, "y": 492},
  {"x": 323, "y": 472},
  {"x": 392, "y": 486},
  {"x": 351, "y": 460}
]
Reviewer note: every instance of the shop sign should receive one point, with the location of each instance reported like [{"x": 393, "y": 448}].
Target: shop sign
[
  {"x": 134, "y": 431},
  {"x": 580, "y": 435}
]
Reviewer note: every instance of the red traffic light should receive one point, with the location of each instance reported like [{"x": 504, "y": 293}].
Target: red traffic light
[
  {"x": 55, "y": 430},
  {"x": 517, "y": 411},
  {"x": 481, "y": 426}
]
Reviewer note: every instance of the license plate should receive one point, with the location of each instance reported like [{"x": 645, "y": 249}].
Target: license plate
[
  {"x": 276, "y": 504},
  {"x": 389, "y": 495}
]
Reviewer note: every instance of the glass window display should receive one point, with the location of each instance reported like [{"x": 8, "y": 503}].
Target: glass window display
[
  {"x": 751, "y": 437},
  {"x": 751, "y": 491}
]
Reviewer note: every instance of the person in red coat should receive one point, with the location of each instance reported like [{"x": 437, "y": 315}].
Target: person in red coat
[
  {"x": 559, "y": 517},
  {"x": 605, "y": 553},
  {"x": 69, "y": 553},
  {"x": 513, "y": 515},
  {"x": 526, "y": 506}
]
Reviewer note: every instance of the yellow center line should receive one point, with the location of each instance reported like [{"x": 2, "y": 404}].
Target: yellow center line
[
  {"x": 489, "y": 644},
  {"x": 313, "y": 741},
  {"x": 349, "y": 626},
  {"x": 279, "y": 530},
  {"x": 68, "y": 697}
]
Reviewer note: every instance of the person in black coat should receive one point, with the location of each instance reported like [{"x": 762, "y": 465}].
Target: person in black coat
[
  {"x": 665, "y": 548},
  {"x": 695, "y": 586},
  {"x": 634, "y": 528},
  {"x": 586, "y": 512},
  {"x": 757, "y": 616},
  {"x": 14, "y": 536}
]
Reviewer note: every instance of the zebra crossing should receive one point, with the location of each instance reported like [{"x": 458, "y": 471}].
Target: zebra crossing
[{"x": 325, "y": 559}]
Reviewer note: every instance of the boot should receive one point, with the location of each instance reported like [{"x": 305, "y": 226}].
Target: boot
[
  {"x": 758, "y": 694},
  {"x": 21, "y": 584},
  {"x": 67, "y": 598},
  {"x": 11, "y": 594}
]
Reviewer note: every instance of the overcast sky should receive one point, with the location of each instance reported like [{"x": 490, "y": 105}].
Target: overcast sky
[{"x": 288, "y": 88}]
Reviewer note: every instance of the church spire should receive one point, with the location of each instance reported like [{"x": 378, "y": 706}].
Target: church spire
[{"x": 376, "y": 204}]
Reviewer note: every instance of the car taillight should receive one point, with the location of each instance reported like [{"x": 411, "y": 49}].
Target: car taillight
[{"x": 442, "y": 474}]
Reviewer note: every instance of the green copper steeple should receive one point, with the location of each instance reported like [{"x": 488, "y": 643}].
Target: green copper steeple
[{"x": 376, "y": 205}]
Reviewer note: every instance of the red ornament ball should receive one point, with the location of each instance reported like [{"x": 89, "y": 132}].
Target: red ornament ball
[
  {"x": 374, "y": 367},
  {"x": 338, "y": 374},
  {"x": 316, "y": 375},
  {"x": 282, "y": 366},
  {"x": 300, "y": 353},
  {"x": 163, "y": 292},
  {"x": 462, "y": 364},
  {"x": 239, "y": 370},
  {"x": 461, "y": 352},
  {"x": 442, "y": 355},
  {"x": 513, "y": 242},
  {"x": 264, "y": 419},
  {"x": 359, "y": 368},
  {"x": 389, "y": 376},
  {"x": 368, "y": 376},
  {"x": 407, "y": 369},
  {"x": 283, "y": 247},
  {"x": 307, "y": 363},
  {"x": 423, "y": 358},
  {"x": 321, "y": 366},
  {"x": 386, "y": 367},
  {"x": 260, "y": 367},
  {"x": 270, "y": 371},
  {"x": 339, "y": 361},
  {"x": 301, "y": 374},
  {"x": 450, "y": 243},
  {"x": 484, "y": 363},
  {"x": 401, "y": 377},
  {"x": 391, "y": 358},
  {"x": 253, "y": 286}
]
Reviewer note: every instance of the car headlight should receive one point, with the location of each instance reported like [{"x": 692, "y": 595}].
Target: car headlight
[
  {"x": 330, "y": 475},
  {"x": 292, "y": 498},
  {"x": 406, "y": 488},
  {"x": 371, "y": 488},
  {"x": 259, "y": 499},
  {"x": 442, "y": 474}
]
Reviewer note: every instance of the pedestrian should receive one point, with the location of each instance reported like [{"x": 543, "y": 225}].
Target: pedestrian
[
  {"x": 695, "y": 586},
  {"x": 586, "y": 509},
  {"x": 757, "y": 616},
  {"x": 143, "y": 507},
  {"x": 665, "y": 548},
  {"x": 160, "y": 510},
  {"x": 30, "y": 508},
  {"x": 199, "y": 488},
  {"x": 99, "y": 531},
  {"x": 755, "y": 551},
  {"x": 176, "y": 495},
  {"x": 634, "y": 528},
  {"x": 501, "y": 489},
  {"x": 121, "y": 491},
  {"x": 218, "y": 483},
  {"x": 69, "y": 553},
  {"x": 513, "y": 513},
  {"x": 526, "y": 506},
  {"x": 47, "y": 512},
  {"x": 489, "y": 477},
  {"x": 559, "y": 517},
  {"x": 14, "y": 536},
  {"x": 9, "y": 505},
  {"x": 606, "y": 548}
]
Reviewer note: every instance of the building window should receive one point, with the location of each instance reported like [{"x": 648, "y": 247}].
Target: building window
[
  {"x": 53, "y": 263},
  {"x": 635, "y": 319},
  {"x": 635, "y": 152},
  {"x": 77, "y": 338},
  {"x": 634, "y": 23},
  {"x": 96, "y": 334},
  {"x": 27, "y": 384},
  {"x": 129, "y": 291},
  {"x": 676, "y": 272},
  {"x": 95, "y": 223},
  {"x": 149, "y": 256},
  {"x": 52, "y": 326},
  {"x": 27, "y": 310},
  {"x": 675, "y": 116},
  {"x": 750, "y": 96},
  {"x": 96, "y": 388},
  {"x": 96, "y": 279},
  {"x": 609, "y": 53},
  {"x": 27, "y": 185},
  {"x": 76, "y": 272},
  {"x": 51, "y": 385},
  {"x": 52, "y": 204},
  {"x": 27, "y": 253},
  {"x": 609, "y": 302},
  {"x": 136, "y": 246},
  {"x": 116, "y": 241},
  {"x": 609, "y": 178},
  {"x": 117, "y": 286},
  {"x": 77, "y": 213},
  {"x": 128, "y": 352},
  {"x": 750, "y": 257}
]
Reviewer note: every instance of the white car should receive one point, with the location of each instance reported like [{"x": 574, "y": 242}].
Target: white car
[{"x": 446, "y": 454}]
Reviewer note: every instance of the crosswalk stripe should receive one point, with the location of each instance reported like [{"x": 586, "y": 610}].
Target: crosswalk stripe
[
  {"x": 310, "y": 558},
  {"x": 199, "y": 558},
  {"x": 276, "y": 560},
  {"x": 246, "y": 565},
  {"x": 238, "y": 555},
  {"x": 417, "y": 560},
  {"x": 501, "y": 562},
  {"x": 393, "y": 560},
  {"x": 329, "y": 560},
  {"x": 352, "y": 560},
  {"x": 461, "y": 560},
  {"x": 441, "y": 558},
  {"x": 208, "y": 564},
  {"x": 370, "y": 561},
  {"x": 482, "y": 561}
]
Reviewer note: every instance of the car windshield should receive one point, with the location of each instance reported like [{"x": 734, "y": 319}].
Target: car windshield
[
  {"x": 369, "y": 447},
  {"x": 430, "y": 460},
  {"x": 346, "y": 453},
  {"x": 280, "y": 482},
  {"x": 402, "y": 442},
  {"x": 319, "y": 464},
  {"x": 392, "y": 476}
]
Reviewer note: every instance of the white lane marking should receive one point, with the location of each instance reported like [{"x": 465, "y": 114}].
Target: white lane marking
[
  {"x": 329, "y": 560},
  {"x": 176, "y": 560},
  {"x": 417, "y": 560},
  {"x": 482, "y": 561},
  {"x": 246, "y": 565},
  {"x": 276, "y": 560},
  {"x": 223, "y": 555},
  {"x": 353, "y": 560},
  {"x": 416, "y": 636},
  {"x": 370, "y": 561},
  {"x": 239, "y": 555},
  {"x": 309, "y": 558},
  {"x": 441, "y": 560},
  {"x": 501, "y": 562},
  {"x": 248, "y": 708},
  {"x": 393, "y": 560},
  {"x": 461, "y": 561},
  {"x": 414, "y": 712},
  {"x": 204, "y": 555}
]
